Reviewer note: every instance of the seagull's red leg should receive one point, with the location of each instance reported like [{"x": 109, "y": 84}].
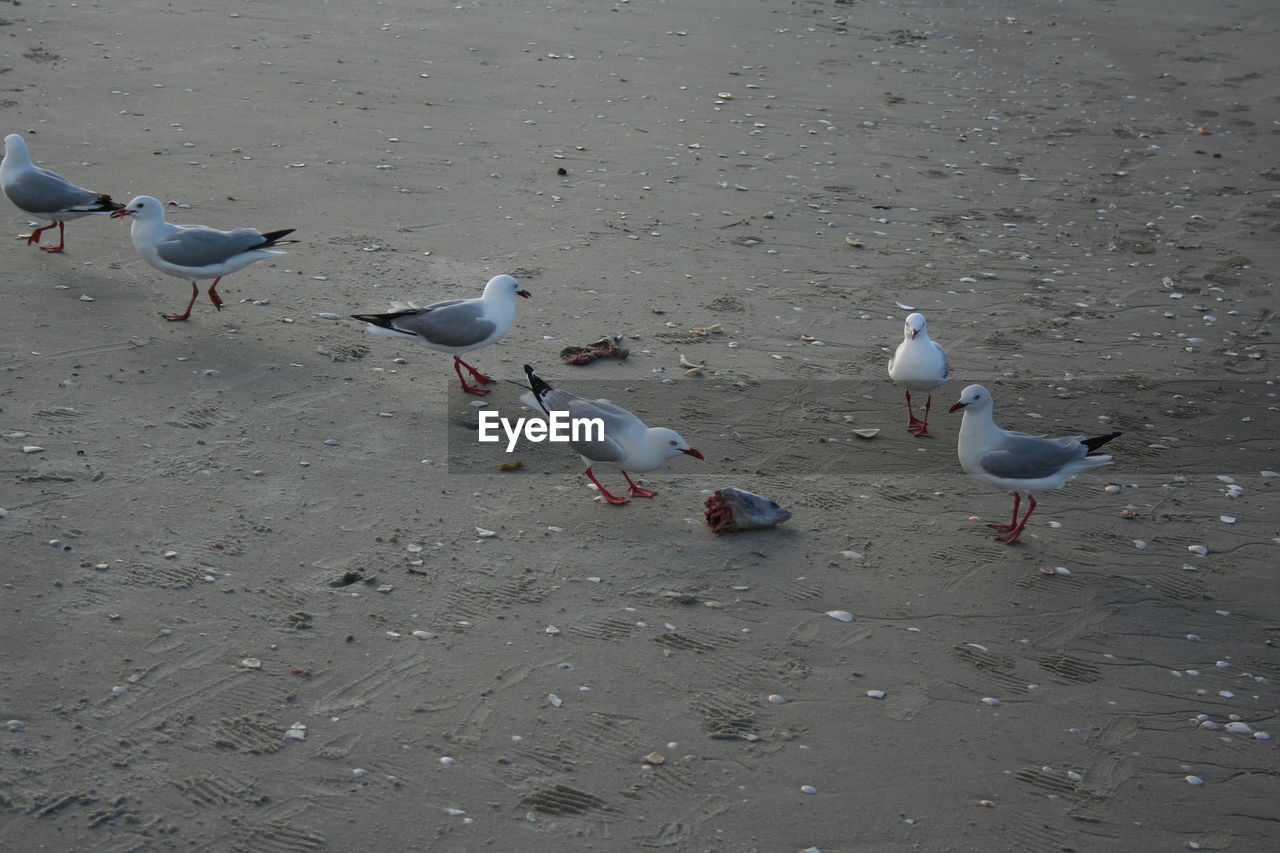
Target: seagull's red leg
[
  {"x": 34, "y": 236},
  {"x": 458, "y": 364},
  {"x": 1012, "y": 535},
  {"x": 62, "y": 238},
  {"x": 475, "y": 374},
  {"x": 1017, "y": 499},
  {"x": 635, "y": 491},
  {"x": 213, "y": 294},
  {"x": 915, "y": 426},
  {"x": 921, "y": 427},
  {"x": 195, "y": 291},
  {"x": 604, "y": 493}
]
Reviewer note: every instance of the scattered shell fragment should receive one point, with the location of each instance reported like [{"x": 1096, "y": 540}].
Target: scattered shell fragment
[
  {"x": 992, "y": 701},
  {"x": 1239, "y": 728},
  {"x": 1199, "y": 550},
  {"x": 485, "y": 534},
  {"x": 685, "y": 362},
  {"x": 775, "y": 699},
  {"x": 448, "y": 761},
  {"x": 654, "y": 757},
  {"x": 32, "y": 448},
  {"x": 251, "y": 663},
  {"x": 876, "y": 694},
  {"x": 865, "y": 433},
  {"x": 423, "y": 635},
  {"x": 555, "y": 700},
  {"x": 15, "y": 725},
  {"x": 808, "y": 789},
  {"x": 840, "y": 615},
  {"x": 1194, "y": 780}
]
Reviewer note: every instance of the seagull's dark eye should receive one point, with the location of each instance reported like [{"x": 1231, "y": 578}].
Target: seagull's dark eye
[{"x": 672, "y": 443}]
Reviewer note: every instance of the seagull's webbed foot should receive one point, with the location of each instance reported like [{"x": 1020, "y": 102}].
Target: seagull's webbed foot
[{"x": 637, "y": 491}]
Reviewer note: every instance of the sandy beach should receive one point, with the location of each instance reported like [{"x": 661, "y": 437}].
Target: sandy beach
[{"x": 264, "y": 591}]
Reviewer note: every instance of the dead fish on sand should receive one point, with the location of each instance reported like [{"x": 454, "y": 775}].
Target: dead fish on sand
[{"x": 732, "y": 510}]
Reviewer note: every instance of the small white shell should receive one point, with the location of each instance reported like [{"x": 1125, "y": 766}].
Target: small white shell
[
  {"x": 775, "y": 699},
  {"x": 808, "y": 789},
  {"x": 1261, "y": 736},
  {"x": 1198, "y": 549},
  {"x": 840, "y": 615},
  {"x": 485, "y": 534},
  {"x": 876, "y": 694},
  {"x": 447, "y": 761},
  {"x": 685, "y": 362},
  {"x": 865, "y": 433},
  {"x": 1194, "y": 780},
  {"x": 1238, "y": 728},
  {"x": 992, "y": 701},
  {"x": 555, "y": 700},
  {"x": 424, "y": 635}
]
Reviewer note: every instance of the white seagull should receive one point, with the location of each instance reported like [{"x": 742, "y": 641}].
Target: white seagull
[
  {"x": 628, "y": 442},
  {"x": 455, "y": 326},
  {"x": 1024, "y": 464},
  {"x": 919, "y": 364},
  {"x": 45, "y": 194},
  {"x": 196, "y": 252}
]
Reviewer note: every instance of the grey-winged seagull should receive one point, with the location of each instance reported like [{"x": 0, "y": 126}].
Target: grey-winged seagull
[
  {"x": 196, "y": 252},
  {"x": 629, "y": 444},
  {"x": 455, "y": 326},
  {"x": 1024, "y": 464},
  {"x": 918, "y": 364},
  {"x": 45, "y": 194}
]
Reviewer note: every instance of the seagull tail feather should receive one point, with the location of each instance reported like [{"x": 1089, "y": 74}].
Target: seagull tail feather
[{"x": 1097, "y": 441}]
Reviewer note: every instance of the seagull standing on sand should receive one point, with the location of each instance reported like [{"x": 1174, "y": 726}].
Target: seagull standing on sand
[
  {"x": 45, "y": 194},
  {"x": 196, "y": 252},
  {"x": 628, "y": 442},
  {"x": 919, "y": 364},
  {"x": 455, "y": 326},
  {"x": 1024, "y": 464}
]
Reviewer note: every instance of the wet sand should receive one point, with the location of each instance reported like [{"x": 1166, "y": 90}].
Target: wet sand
[{"x": 236, "y": 524}]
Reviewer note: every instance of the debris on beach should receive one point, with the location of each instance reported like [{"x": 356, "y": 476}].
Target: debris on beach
[
  {"x": 610, "y": 346},
  {"x": 733, "y": 510}
]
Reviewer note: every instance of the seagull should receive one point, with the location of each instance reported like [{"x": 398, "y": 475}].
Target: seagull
[
  {"x": 456, "y": 325},
  {"x": 195, "y": 252},
  {"x": 627, "y": 442},
  {"x": 46, "y": 194},
  {"x": 919, "y": 364},
  {"x": 1024, "y": 464}
]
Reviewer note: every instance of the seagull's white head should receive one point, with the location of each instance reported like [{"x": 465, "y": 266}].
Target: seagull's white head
[
  {"x": 673, "y": 442},
  {"x": 144, "y": 207},
  {"x": 505, "y": 283},
  {"x": 16, "y": 145},
  {"x": 974, "y": 398},
  {"x": 914, "y": 326}
]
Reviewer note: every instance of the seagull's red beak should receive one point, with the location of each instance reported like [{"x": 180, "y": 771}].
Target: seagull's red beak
[
  {"x": 914, "y": 332},
  {"x": 695, "y": 454},
  {"x": 117, "y": 214},
  {"x": 957, "y": 407},
  {"x": 526, "y": 294}
]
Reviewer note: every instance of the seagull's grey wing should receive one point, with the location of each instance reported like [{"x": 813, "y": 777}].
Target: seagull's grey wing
[
  {"x": 1025, "y": 457},
  {"x": 42, "y": 191},
  {"x": 946, "y": 366},
  {"x": 198, "y": 246},
  {"x": 456, "y": 323},
  {"x": 619, "y": 424}
]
